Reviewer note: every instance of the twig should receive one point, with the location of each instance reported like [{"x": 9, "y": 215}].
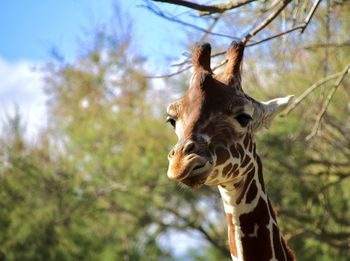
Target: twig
[
  {"x": 296, "y": 10},
  {"x": 328, "y": 100},
  {"x": 310, "y": 90},
  {"x": 310, "y": 47},
  {"x": 208, "y": 9},
  {"x": 210, "y": 28},
  {"x": 219, "y": 8},
  {"x": 275, "y": 36},
  {"x": 310, "y": 15},
  {"x": 188, "y": 60},
  {"x": 328, "y": 37},
  {"x": 173, "y": 19},
  {"x": 262, "y": 25},
  {"x": 168, "y": 75},
  {"x": 266, "y": 22},
  {"x": 227, "y": 6},
  {"x": 223, "y": 62}
]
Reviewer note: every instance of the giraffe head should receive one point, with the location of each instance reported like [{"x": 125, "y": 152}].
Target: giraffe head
[{"x": 215, "y": 121}]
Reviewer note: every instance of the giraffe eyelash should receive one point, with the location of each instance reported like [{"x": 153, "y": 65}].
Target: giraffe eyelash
[
  {"x": 172, "y": 121},
  {"x": 243, "y": 119}
]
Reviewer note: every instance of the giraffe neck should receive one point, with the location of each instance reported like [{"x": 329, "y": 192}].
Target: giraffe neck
[{"x": 252, "y": 226}]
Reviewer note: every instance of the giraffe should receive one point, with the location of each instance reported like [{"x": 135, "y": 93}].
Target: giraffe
[{"x": 215, "y": 122}]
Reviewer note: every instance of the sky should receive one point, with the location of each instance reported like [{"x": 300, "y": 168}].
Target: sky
[{"x": 31, "y": 29}]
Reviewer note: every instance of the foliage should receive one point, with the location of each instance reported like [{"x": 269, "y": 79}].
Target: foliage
[{"x": 76, "y": 194}]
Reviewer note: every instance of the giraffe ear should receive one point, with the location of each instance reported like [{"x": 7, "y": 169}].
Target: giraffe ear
[{"x": 265, "y": 112}]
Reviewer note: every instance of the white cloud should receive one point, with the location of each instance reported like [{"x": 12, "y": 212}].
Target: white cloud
[{"x": 21, "y": 83}]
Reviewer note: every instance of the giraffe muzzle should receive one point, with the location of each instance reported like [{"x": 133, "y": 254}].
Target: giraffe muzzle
[{"x": 192, "y": 167}]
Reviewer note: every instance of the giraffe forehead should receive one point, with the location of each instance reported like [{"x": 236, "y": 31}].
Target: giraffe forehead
[{"x": 207, "y": 103}]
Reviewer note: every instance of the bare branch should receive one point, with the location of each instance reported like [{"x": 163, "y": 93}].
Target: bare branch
[
  {"x": 333, "y": 213},
  {"x": 228, "y": 6},
  {"x": 328, "y": 100},
  {"x": 188, "y": 60},
  {"x": 335, "y": 45},
  {"x": 208, "y": 9},
  {"x": 280, "y": 6},
  {"x": 222, "y": 63},
  {"x": 310, "y": 15},
  {"x": 170, "y": 74},
  {"x": 210, "y": 27},
  {"x": 158, "y": 12},
  {"x": 310, "y": 90},
  {"x": 266, "y": 22},
  {"x": 335, "y": 240},
  {"x": 301, "y": 27},
  {"x": 275, "y": 36}
]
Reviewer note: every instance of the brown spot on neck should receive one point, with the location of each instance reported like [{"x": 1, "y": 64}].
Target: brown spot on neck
[
  {"x": 259, "y": 230},
  {"x": 234, "y": 151},
  {"x": 222, "y": 155},
  {"x": 227, "y": 169},
  {"x": 246, "y": 140},
  {"x": 245, "y": 161},
  {"x": 256, "y": 247},
  {"x": 247, "y": 181},
  {"x": 282, "y": 251},
  {"x": 252, "y": 192},
  {"x": 240, "y": 150}
]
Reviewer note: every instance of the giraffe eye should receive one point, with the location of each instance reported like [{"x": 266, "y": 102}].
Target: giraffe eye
[
  {"x": 243, "y": 119},
  {"x": 171, "y": 121}
]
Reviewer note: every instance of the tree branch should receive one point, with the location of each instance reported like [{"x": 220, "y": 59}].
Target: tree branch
[
  {"x": 328, "y": 100},
  {"x": 158, "y": 12},
  {"x": 275, "y": 36},
  {"x": 210, "y": 27},
  {"x": 310, "y": 15},
  {"x": 337, "y": 241},
  {"x": 170, "y": 74},
  {"x": 335, "y": 45},
  {"x": 301, "y": 27},
  {"x": 266, "y": 22},
  {"x": 310, "y": 90},
  {"x": 208, "y": 9},
  {"x": 280, "y": 6}
]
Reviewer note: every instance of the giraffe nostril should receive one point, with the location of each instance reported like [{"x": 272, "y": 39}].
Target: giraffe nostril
[
  {"x": 189, "y": 147},
  {"x": 171, "y": 154}
]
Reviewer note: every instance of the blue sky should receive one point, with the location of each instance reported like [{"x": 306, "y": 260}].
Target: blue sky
[{"x": 30, "y": 29}]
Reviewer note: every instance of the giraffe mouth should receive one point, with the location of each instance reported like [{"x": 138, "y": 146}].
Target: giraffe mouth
[
  {"x": 198, "y": 175},
  {"x": 190, "y": 170},
  {"x": 200, "y": 169}
]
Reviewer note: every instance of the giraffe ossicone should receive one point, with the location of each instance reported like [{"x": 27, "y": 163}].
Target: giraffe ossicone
[{"x": 215, "y": 122}]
